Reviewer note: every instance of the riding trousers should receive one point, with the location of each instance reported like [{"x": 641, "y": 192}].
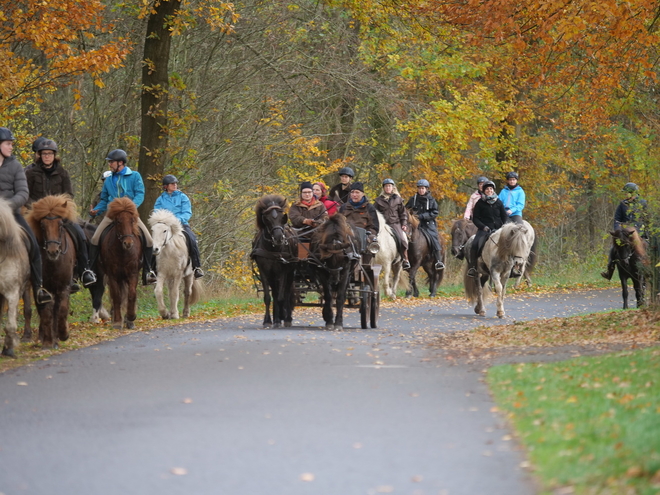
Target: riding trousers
[
  {"x": 105, "y": 223},
  {"x": 36, "y": 274},
  {"x": 193, "y": 248}
]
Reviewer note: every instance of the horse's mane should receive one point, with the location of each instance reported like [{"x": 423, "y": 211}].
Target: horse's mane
[
  {"x": 636, "y": 242},
  {"x": 460, "y": 223},
  {"x": 11, "y": 234},
  {"x": 413, "y": 221},
  {"x": 166, "y": 217},
  {"x": 121, "y": 205},
  {"x": 513, "y": 241},
  {"x": 335, "y": 226},
  {"x": 60, "y": 205},
  {"x": 266, "y": 202}
]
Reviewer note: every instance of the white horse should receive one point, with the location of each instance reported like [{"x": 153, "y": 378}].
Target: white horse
[
  {"x": 388, "y": 257},
  {"x": 15, "y": 270},
  {"x": 173, "y": 265},
  {"x": 505, "y": 249}
]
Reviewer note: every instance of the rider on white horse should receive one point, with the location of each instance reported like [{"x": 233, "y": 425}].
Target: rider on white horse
[
  {"x": 489, "y": 215},
  {"x": 179, "y": 204},
  {"x": 390, "y": 204}
]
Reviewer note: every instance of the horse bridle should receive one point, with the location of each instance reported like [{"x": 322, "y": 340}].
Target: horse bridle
[
  {"x": 171, "y": 235},
  {"x": 273, "y": 209},
  {"x": 121, "y": 237},
  {"x": 59, "y": 241}
]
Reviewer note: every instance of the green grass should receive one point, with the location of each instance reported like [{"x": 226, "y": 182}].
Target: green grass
[{"x": 592, "y": 424}]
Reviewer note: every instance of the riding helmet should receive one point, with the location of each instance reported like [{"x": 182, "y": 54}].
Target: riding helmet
[
  {"x": 37, "y": 142},
  {"x": 169, "y": 179},
  {"x": 423, "y": 183},
  {"x": 511, "y": 175},
  {"x": 631, "y": 187},
  {"x": 388, "y": 181},
  {"x": 6, "y": 135},
  {"x": 488, "y": 184},
  {"x": 117, "y": 156},
  {"x": 47, "y": 144},
  {"x": 347, "y": 171},
  {"x": 481, "y": 179}
]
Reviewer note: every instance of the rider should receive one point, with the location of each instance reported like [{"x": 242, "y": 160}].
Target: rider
[
  {"x": 13, "y": 187},
  {"x": 48, "y": 177},
  {"x": 341, "y": 191},
  {"x": 390, "y": 204},
  {"x": 179, "y": 204},
  {"x": 360, "y": 213},
  {"x": 474, "y": 197},
  {"x": 308, "y": 212},
  {"x": 489, "y": 215},
  {"x": 632, "y": 211},
  {"x": 35, "y": 145},
  {"x": 425, "y": 207},
  {"x": 123, "y": 182},
  {"x": 513, "y": 198},
  {"x": 320, "y": 189}
]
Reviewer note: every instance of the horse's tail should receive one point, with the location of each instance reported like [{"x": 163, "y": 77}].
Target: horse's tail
[
  {"x": 197, "y": 292},
  {"x": 470, "y": 284},
  {"x": 533, "y": 256}
]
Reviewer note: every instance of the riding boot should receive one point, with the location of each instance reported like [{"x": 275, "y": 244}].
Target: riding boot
[
  {"x": 607, "y": 274},
  {"x": 439, "y": 265},
  {"x": 148, "y": 274},
  {"x": 405, "y": 264},
  {"x": 472, "y": 260},
  {"x": 93, "y": 255}
]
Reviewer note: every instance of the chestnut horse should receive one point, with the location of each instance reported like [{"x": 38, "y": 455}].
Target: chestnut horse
[
  {"x": 420, "y": 254},
  {"x": 121, "y": 259},
  {"x": 46, "y": 219}
]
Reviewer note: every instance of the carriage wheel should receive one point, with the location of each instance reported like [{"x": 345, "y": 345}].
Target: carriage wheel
[
  {"x": 365, "y": 308},
  {"x": 375, "y": 309}
]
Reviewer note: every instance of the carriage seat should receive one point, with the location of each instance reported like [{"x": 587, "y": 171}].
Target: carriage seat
[{"x": 303, "y": 250}]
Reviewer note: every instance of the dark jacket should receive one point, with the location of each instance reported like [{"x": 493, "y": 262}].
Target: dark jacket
[
  {"x": 363, "y": 216},
  {"x": 488, "y": 215},
  {"x": 392, "y": 209},
  {"x": 631, "y": 213},
  {"x": 340, "y": 193},
  {"x": 13, "y": 184},
  {"x": 42, "y": 184},
  {"x": 426, "y": 209},
  {"x": 299, "y": 212}
]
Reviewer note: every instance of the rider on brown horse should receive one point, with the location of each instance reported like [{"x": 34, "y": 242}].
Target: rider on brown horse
[
  {"x": 489, "y": 215},
  {"x": 425, "y": 207},
  {"x": 390, "y": 204}
]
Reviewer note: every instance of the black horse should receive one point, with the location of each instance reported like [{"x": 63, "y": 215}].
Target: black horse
[
  {"x": 335, "y": 254},
  {"x": 630, "y": 254},
  {"x": 421, "y": 255},
  {"x": 275, "y": 250}
]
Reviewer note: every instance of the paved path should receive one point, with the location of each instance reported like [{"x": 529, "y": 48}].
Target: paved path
[{"x": 226, "y": 407}]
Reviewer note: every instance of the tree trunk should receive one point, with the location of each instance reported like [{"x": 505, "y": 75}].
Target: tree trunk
[{"x": 155, "y": 85}]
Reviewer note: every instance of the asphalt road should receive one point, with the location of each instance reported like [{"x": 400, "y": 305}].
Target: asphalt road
[{"x": 226, "y": 407}]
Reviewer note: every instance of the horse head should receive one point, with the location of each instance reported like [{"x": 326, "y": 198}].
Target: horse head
[
  {"x": 123, "y": 213},
  {"x": 47, "y": 217},
  {"x": 272, "y": 218},
  {"x": 461, "y": 231},
  {"x": 165, "y": 226},
  {"x": 627, "y": 242}
]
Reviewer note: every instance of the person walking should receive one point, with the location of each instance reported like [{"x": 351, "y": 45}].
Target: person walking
[
  {"x": 513, "y": 198},
  {"x": 425, "y": 207},
  {"x": 390, "y": 204},
  {"x": 123, "y": 182}
]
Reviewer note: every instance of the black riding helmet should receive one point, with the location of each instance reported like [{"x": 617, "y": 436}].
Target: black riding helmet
[
  {"x": 511, "y": 175},
  {"x": 117, "y": 156},
  {"x": 47, "y": 144},
  {"x": 347, "y": 171},
  {"x": 6, "y": 135},
  {"x": 630, "y": 187},
  {"x": 488, "y": 184},
  {"x": 37, "y": 142},
  {"x": 481, "y": 179},
  {"x": 170, "y": 179}
]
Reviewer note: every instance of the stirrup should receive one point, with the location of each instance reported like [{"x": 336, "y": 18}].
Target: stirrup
[
  {"x": 43, "y": 296},
  {"x": 198, "y": 272},
  {"x": 150, "y": 278},
  {"x": 405, "y": 264},
  {"x": 74, "y": 287},
  {"x": 472, "y": 272},
  {"x": 88, "y": 278},
  {"x": 439, "y": 265}
]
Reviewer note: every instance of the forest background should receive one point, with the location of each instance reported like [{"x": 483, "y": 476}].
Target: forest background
[{"x": 242, "y": 99}]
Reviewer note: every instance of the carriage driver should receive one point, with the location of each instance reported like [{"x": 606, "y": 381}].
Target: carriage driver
[
  {"x": 179, "y": 204},
  {"x": 123, "y": 182},
  {"x": 390, "y": 204},
  {"x": 13, "y": 187},
  {"x": 341, "y": 191},
  {"x": 425, "y": 207},
  {"x": 474, "y": 197},
  {"x": 308, "y": 212},
  {"x": 489, "y": 215},
  {"x": 631, "y": 211}
]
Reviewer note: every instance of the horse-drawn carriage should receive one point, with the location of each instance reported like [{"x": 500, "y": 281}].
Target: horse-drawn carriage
[{"x": 334, "y": 261}]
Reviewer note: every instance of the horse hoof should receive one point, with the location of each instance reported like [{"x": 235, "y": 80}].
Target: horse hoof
[
  {"x": 174, "y": 316},
  {"x": 117, "y": 326},
  {"x": 276, "y": 325},
  {"x": 500, "y": 315},
  {"x": 130, "y": 325},
  {"x": 329, "y": 326},
  {"x": 64, "y": 338},
  {"x": 25, "y": 340},
  {"x": 8, "y": 352},
  {"x": 288, "y": 324},
  {"x": 339, "y": 327}
]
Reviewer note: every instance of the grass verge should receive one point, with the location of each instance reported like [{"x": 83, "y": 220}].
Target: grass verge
[{"x": 590, "y": 425}]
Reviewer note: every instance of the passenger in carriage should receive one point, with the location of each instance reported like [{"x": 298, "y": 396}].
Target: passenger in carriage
[
  {"x": 123, "y": 182},
  {"x": 179, "y": 204},
  {"x": 320, "y": 189},
  {"x": 341, "y": 192},
  {"x": 513, "y": 198},
  {"x": 390, "y": 204},
  {"x": 489, "y": 215},
  {"x": 474, "y": 197},
  {"x": 631, "y": 211},
  {"x": 359, "y": 212},
  {"x": 13, "y": 187},
  {"x": 308, "y": 212},
  {"x": 47, "y": 177},
  {"x": 425, "y": 207}
]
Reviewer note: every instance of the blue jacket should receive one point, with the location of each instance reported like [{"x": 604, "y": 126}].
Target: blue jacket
[
  {"x": 178, "y": 203},
  {"x": 513, "y": 199},
  {"x": 127, "y": 183}
]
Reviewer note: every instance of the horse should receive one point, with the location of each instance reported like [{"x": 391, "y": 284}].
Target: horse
[
  {"x": 47, "y": 220},
  {"x": 334, "y": 257},
  {"x": 275, "y": 250},
  {"x": 173, "y": 263},
  {"x": 120, "y": 258},
  {"x": 631, "y": 259},
  {"x": 420, "y": 254},
  {"x": 506, "y": 248},
  {"x": 388, "y": 257},
  {"x": 15, "y": 270}
]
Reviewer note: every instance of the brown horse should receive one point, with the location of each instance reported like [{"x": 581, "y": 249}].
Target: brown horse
[
  {"x": 420, "y": 254},
  {"x": 47, "y": 219},
  {"x": 461, "y": 231},
  {"x": 121, "y": 259},
  {"x": 631, "y": 262}
]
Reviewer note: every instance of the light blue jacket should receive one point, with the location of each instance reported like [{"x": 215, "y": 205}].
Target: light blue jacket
[
  {"x": 178, "y": 203},
  {"x": 127, "y": 183},
  {"x": 513, "y": 199}
]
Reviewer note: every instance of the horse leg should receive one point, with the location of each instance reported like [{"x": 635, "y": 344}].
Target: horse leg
[
  {"x": 11, "y": 337},
  {"x": 160, "y": 298},
  {"x": 480, "y": 282},
  {"x": 173, "y": 289},
  {"x": 396, "y": 276},
  {"x": 412, "y": 274},
  {"x": 277, "y": 303},
  {"x": 131, "y": 301},
  {"x": 116, "y": 300},
  {"x": 327, "y": 306},
  {"x": 61, "y": 314},
  {"x": 27, "y": 314},
  {"x": 99, "y": 313},
  {"x": 638, "y": 284},
  {"x": 188, "y": 282},
  {"x": 341, "y": 299},
  {"x": 624, "y": 288},
  {"x": 288, "y": 299},
  {"x": 500, "y": 288},
  {"x": 46, "y": 323},
  {"x": 267, "y": 320}
]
